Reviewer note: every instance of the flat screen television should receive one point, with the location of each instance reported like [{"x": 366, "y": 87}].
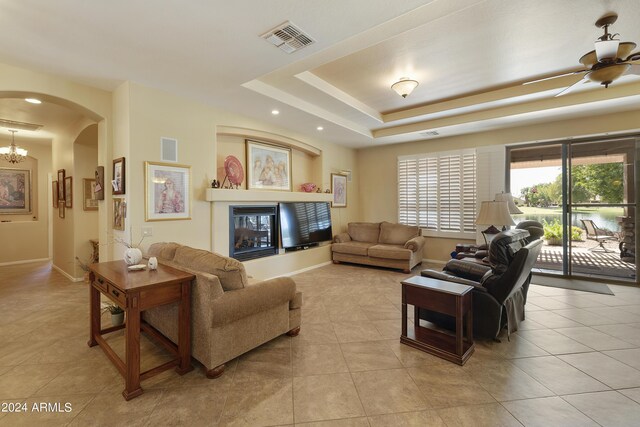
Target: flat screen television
[{"x": 304, "y": 224}]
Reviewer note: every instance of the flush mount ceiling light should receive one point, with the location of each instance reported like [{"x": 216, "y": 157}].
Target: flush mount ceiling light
[
  {"x": 13, "y": 154},
  {"x": 404, "y": 86},
  {"x": 275, "y": 112},
  {"x": 33, "y": 100},
  {"x": 320, "y": 128}
]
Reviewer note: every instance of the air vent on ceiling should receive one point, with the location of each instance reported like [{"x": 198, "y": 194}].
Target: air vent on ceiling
[
  {"x": 11, "y": 124},
  {"x": 288, "y": 37},
  {"x": 430, "y": 133}
]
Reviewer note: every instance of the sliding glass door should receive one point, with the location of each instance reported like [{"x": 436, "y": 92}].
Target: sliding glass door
[{"x": 584, "y": 194}]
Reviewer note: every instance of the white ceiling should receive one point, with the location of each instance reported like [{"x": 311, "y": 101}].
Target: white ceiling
[{"x": 470, "y": 57}]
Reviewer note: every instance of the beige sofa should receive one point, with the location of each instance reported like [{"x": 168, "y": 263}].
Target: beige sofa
[
  {"x": 381, "y": 244},
  {"x": 229, "y": 316}
]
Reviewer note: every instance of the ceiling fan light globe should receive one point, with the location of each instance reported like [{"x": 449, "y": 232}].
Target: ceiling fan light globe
[{"x": 606, "y": 75}]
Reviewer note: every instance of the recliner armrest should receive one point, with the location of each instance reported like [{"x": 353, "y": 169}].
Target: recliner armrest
[
  {"x": 415, "y": 244},
  {"x": 341, "y": 238},
  {"x": 468, "y": 270}
]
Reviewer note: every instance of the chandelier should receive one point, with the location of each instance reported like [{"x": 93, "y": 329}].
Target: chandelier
[{"x": 12, "y": 153}]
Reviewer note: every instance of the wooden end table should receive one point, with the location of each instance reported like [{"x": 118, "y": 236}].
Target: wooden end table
[
  {"x": 136, "y": 291},
  {"x": 444, "y": 297}
]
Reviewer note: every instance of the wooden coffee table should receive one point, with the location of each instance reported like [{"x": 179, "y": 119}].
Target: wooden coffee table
[
  {"x": 444, "y": 297},
  {"x": 136, "y": 291}
]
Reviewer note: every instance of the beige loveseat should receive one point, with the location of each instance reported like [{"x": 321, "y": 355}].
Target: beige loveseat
[
  {"x": 229, "y": 316},
  {"x": 381, "y": 244}
]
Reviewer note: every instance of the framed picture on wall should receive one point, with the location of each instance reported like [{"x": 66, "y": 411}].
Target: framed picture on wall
[
  {"x": 119, "y": 213},
  {"x": 15, "y": 191},
  {"x": 339, "y": 190},
  {"x": 167, "y": 191},
  {"x": 68, "y": 192},
  {"x": 89, "y": 201},
  {"x": 61, "y": 208},
  {"x": 268, "y": 166},
  {"x": 99, "y": 187},
  {"x": 61, "y": 185},
  {"x": 118, "y": 181},
  {"x": 54, "y": 193}
]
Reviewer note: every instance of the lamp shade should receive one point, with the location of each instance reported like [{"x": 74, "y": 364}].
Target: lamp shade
[
  {"x": 507, "y": 197},
  {"x": 607, "y": 50},
  {"x": 494, "y": 213}
]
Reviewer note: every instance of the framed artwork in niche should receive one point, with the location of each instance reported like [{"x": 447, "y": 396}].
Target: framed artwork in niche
[
  {"x": 167, "y": 191},
  {"x": 61, "y": 185},
  {"x": 89, "y": 201},
  {"x": 54, "y": 193},
  {"x": 68, "y": 192},
  {"x": 118, "y": 182},
  {"x": 119, "y": 213},
  {"x": 15, "y": 191},
  {"x": 268, "y": 166},
  {"x": 339, "y": 190},
  {"x": 99, "y": 188}
]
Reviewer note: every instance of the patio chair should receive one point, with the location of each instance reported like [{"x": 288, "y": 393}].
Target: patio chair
[{"x": 598, "y": 234}]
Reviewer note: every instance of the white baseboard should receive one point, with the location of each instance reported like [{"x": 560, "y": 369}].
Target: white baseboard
[
  {"x": 67, "y": 275},
  {"x": 26, "y": 261},
  {"x": 293, "y": 273}
]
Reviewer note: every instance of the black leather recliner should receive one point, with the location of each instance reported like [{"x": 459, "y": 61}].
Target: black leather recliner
[{"x": 500, "y": 289}]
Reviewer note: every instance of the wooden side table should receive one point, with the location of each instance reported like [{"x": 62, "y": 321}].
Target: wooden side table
[
  {"x": 136, "y": 291},
  {"x": 444, "y": 297}
]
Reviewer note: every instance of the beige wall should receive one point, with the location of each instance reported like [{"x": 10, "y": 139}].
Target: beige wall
[
  {"x": 378, "y": 166},
  {"x": 28, "y": 234},
  {"x": 85, "y": 160}
]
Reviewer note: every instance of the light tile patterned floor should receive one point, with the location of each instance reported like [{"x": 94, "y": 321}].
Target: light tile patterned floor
[{"x": 575, "y": 361}]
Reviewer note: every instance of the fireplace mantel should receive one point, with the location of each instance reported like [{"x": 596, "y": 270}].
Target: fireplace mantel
[{"x": 226, "y": 195}]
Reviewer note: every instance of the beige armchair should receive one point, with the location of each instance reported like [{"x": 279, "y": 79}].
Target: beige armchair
[{"x": 229, "y": 316}]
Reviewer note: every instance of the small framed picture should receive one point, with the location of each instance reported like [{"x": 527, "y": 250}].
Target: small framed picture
[
  {"x": 118, "y": 182},
  {"x": 268, "y": 167},
  {"x": 61, "y": 208},
  {"x": 61, "y": 185},
  {"x": 339, "y": 190},
  {"x": 68, "y": 192},
  {"x": 54, "y": 193},
  {"x": 167, "y": 190},
  {"x": 119, "y": 213},
  {"x": 99, "y": 187},
  {"x": 89, "y": 201}
]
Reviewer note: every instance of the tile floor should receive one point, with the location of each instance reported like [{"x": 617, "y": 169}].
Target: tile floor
[{"x": 575, "y": 361}]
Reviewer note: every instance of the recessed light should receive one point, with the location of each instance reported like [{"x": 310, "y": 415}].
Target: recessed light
[
  {"x": 320, "y": 128},
  {"x": 275, "y": 112},
  {"x": 33, "y": 100}
]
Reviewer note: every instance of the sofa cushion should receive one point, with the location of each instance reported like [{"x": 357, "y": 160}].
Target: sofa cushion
[
  {"x": 165, "y": 251},
  {"x": 397, "y": 234},
  {"x": 230, "y": 271},
  {"x": 364, "y": 231},
  {"x": 352, "y": 248},
  {"x": 389, "y": 252}
]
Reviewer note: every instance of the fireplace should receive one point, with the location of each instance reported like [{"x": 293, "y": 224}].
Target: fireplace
[{"x": 252, "y": 232}]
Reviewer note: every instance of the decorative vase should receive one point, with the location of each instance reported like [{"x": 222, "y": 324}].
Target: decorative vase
[
  {"x": 153, "y": 263},
  {"x": 117, "y": 319},
  {"x": 132, "y": 256}
]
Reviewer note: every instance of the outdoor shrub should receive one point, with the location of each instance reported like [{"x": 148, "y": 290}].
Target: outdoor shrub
[{"x": 553, "y": 230}]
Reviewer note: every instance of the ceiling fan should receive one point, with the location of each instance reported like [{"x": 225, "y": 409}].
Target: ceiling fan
[{"x": 610, "y": 59}]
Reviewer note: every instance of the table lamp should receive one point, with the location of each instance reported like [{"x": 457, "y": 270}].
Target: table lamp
[
  {"x": 493, "y": 213},
  {"x": 507, "y": 197}
]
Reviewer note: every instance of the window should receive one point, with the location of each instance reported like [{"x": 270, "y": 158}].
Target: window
[{"x": 437, "y": 191}]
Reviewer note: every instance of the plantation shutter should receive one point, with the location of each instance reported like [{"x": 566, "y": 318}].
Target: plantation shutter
[{"x": 438, "y": 191}]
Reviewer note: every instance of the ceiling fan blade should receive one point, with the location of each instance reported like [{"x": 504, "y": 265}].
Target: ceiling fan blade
[
  {"x": 572, "y": 87},
  {"x": 634, "y": 69},
  {"x": 557, "y": 76}
]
